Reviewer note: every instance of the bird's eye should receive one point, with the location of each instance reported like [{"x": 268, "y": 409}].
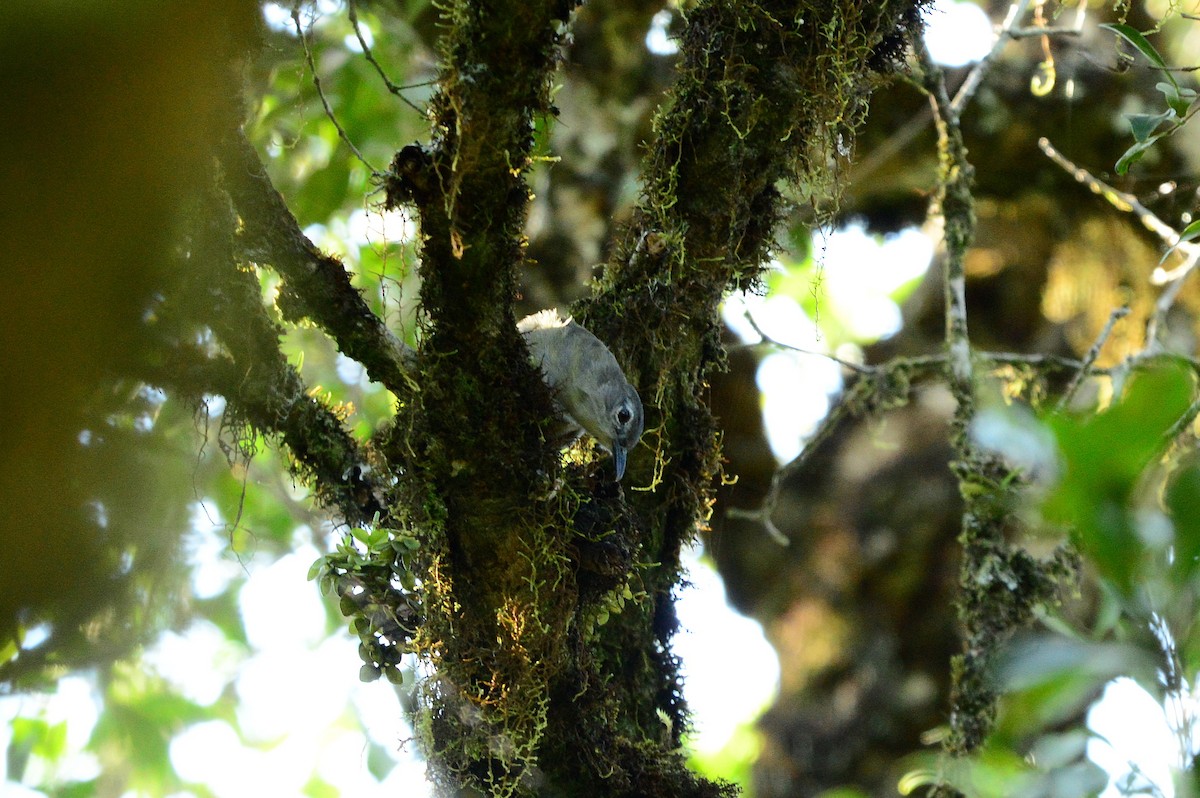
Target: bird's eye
[{"x": 623, "y": 416}]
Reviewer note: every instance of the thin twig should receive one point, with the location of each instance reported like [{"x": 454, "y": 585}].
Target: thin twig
[
  {"x": 1061, "y": 30},
  {"x": 320, "y": 282},
  {"x": 1089, "y": 359},
  {"x": 352, "y": 10},
  {"x": 1039, "y": 359},
  {"x": 1163, "y": 276},
  {"x": 766, "y": 339},
  {"x": 1128, "y": 203},
  {"x": 1008, "y": 31},
  {"x": 856, "y": 397},
  {"x": 1167, "y": 298},
  {"x": 1120, "y": 200},
  {"x": 955, "y": 206},
  {"x": 975, "y": 76},
  {"x": 312, "y": 66},
  {"x": 922, "y": 365},
  {"x": 763, "y": 516},
  {"x": 771, "y": 500}
]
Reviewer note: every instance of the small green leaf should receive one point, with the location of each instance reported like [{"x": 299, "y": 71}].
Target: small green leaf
[
  {"x": 1049, "y": 678},
  {"x": 1135, "y": 153},
  {"x": 368, "y": 673},
  {"x": 1103, "y": 459},
  {"x": 319, "y": 788},
  {"x": 1134, "y": 37},
  {"x": 1191, "y": 232},
  {"x": 1144, "y": 125},
  {"x": 8, "y": 651},
  {"x": 379, "y": 761},
  {"x": 394, "y": 675},
  {"x": 315, "y": 569},
  {"x": 1175, "y": 97}
]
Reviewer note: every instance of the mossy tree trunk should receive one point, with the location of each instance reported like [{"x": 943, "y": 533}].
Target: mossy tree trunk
[{"x": 540, "y": 596}]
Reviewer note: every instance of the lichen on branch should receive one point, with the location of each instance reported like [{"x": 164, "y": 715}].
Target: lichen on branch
[{"x": 1001, "y": 585}]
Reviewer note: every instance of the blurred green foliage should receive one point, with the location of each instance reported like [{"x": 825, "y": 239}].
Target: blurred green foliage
[
  {"x": 1104, "y": 457},
  {"x": 1127, "y": 494},
  {"x": 113, "y": 493},
  {"x": 95, "y": 475}
]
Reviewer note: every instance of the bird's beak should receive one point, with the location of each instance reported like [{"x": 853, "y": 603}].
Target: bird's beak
[{"x": 619, "y": 453}]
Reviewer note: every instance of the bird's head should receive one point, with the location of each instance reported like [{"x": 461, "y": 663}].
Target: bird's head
[
  {"x": 625, "y": 418},
  {"x": 613, "y": 416}
]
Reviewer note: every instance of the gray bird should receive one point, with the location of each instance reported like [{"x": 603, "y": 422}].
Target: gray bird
[{"x": 588, "y": 386}]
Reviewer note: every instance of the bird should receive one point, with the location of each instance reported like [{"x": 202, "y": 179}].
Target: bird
[{"x": 589, "y": 389}]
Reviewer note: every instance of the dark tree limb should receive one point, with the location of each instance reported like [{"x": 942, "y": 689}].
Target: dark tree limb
[
  {"x": 251, "y": 372},
  {"x": 315, "y": 285},
  {"x": 767, "y": 93},
  {"x": 324, "y": 453},
  {"x": 500, "y": 592}
]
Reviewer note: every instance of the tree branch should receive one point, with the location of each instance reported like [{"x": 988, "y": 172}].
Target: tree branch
[
  {"x": 1089, "y": 359},
  {"x": 501, "y": 594},
  {"x": 281, "y": 404},
  {"x": 316, "y": 285},
  {"x": 302, "y": 35},
  {"x": 1009, "y": 31},
  {"x": 956, "y": 206},
  {"x": 254, "y": 376},
  {"x": 1000, "y": 585},
  {"x": 877, "y": 388},
  {"x": 352, "y": 12},
  {"x": 1123, "y": 201}
]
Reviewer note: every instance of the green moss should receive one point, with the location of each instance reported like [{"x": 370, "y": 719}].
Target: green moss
[{"x": 547, "y": 591}]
